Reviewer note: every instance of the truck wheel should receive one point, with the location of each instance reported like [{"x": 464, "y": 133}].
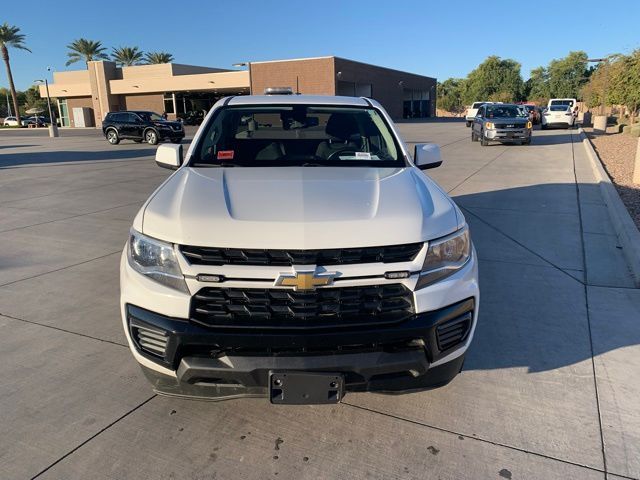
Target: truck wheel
[
  {"x": 468, "y": 124},
  {"x": 112, "y": 137},
  {"x": 483, "y": 141},
  {"x": 543, "y": 126},
  {"x": 151, "y": 137},
  {"x": 474, "y": 137}
]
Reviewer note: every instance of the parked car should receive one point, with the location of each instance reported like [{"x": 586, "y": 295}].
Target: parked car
[
  {"x": 10, "y": 122},
  {"x": 501, "y": 123},
  {"x": 298, "y": 252},
  {"x": 558, "y": 116},
  {"x": 472, "y": 111},
  {"x": 140, "y": 126},
  {"x": 570, "y": 102},
  {"x": 34, "y": 120},
  {"x": 533, "y": 112}
]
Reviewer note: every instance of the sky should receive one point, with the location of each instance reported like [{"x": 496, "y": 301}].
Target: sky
[{"x": 435, "y": 38}]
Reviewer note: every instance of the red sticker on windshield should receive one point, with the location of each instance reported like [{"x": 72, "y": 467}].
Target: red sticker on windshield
[{"x": 225, "y": 155}]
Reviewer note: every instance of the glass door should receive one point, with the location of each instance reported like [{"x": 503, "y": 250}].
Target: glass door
[{"x": 63, "y": 112}]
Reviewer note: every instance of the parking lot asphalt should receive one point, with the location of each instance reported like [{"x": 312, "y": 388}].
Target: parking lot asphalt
[{"x": 550, "y": 388}]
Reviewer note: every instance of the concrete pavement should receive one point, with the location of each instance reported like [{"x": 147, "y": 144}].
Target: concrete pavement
[{"x": 549, "y": 389}]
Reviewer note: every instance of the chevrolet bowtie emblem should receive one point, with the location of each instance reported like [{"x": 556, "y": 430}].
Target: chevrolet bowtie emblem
[{"x": 307, "y": 280}]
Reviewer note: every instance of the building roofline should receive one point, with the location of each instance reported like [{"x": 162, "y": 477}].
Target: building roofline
[
  {"x": 346, "y": 60},
  {"x": 292, "y": 59},
  {"x": 404, "y": 72}
]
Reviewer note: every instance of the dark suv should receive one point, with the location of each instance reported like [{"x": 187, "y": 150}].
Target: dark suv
[{"x": 140, "y": 126}]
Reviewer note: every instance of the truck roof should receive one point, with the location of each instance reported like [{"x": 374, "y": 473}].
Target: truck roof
[{"x": 299, "y": 99}]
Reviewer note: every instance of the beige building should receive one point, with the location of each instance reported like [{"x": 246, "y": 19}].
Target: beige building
[{"x": 85, "y": 96}]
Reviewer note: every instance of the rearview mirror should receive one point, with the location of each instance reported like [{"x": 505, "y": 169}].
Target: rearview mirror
[
  {"x": 169, "y": 156},
  {"x": 427, "y": 155}
]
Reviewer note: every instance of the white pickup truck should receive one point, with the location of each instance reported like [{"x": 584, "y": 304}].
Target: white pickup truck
[
  {"x": 472, "y": 111},
  {"x": 298, "y": 252}
]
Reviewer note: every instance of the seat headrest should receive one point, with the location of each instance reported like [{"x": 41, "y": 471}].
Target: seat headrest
[{"x": 342, "y": 125}]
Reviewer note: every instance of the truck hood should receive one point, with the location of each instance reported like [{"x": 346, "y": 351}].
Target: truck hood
[{"x": 298, "y": 207}]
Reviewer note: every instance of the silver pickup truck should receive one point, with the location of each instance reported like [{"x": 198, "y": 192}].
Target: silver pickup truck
[{"x": 501, "y": 123}]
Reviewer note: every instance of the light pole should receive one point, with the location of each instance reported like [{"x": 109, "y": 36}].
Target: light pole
[
  {"x": 248, "y": 65},
  {"x": 53, "y": 127}
]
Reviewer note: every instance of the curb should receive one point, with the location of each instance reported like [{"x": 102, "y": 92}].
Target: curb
[{"x": 626, "y": 230}]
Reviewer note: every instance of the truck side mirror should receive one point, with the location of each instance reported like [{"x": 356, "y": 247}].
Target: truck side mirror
[
  {"x": 169, "y": 156},
  {"x": 427, "y": 155}
]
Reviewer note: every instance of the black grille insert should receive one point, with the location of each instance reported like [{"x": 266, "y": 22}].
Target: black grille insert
[
  {"x": 263, "y": 308},
  {"x": 453, "y": 332},
  {"x": 334, "y": 256}
]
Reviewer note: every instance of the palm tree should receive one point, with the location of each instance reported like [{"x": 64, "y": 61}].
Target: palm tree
[
  {"x": 10, "y": 36},
  {"x": 127, "y": 56},
  {"x": 158, "y": 57},
  {"x": 87, "y": 50}
]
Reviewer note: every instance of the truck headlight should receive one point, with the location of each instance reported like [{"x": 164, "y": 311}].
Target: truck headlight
[
  {"x": 445, "y": 256},
  {"x": 529, "y": 125},
  {"x": 156, "y": 260},
  {"x": 489, "y": 125}
]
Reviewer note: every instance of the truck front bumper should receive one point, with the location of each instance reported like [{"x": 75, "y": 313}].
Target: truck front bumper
[
  {"x": 507, "y": 135},
  {"x": 213, "y": 363},
  {"x": 402, "y": 361}
]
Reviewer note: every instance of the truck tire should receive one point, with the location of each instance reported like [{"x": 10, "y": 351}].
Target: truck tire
[
  {"x": 112, "y": 136},
  {"x": 468, "y": 123},
  {"x": 151, "y": 137}
]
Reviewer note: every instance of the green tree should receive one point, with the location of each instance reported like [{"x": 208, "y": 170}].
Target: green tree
[
  {"x": 449, "y": 96},
  {"x": 536, "y": 87},
  {"x": 10, "y": 37},
  {"x": 85, "y": 50},
  {"x": 32, "y": 99},
  {"x": 494, "y": 79},
  {"x": 158, "y": 57},
  {"x": 566, "y": 76},
  {"x": 623, "y": 81},
  {"x": 127, "y": 56}
]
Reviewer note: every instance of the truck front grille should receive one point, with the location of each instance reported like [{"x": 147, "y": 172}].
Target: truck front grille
[
  {"x": 510, "y": 126},
  {"x": 334, "y": 256},
  {"x": 261, "y": 308}
]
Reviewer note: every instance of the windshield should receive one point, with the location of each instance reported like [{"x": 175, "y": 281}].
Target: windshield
[
  {"x": 150, "y": 116},
  {"x": 297, "y": 135},
  {"x": 562, "y": 102},
  {"x": 477, "y": 105},
  {"x": 505, "y": 111}
]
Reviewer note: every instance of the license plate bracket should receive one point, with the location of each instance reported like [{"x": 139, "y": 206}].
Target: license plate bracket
[{"x": 305, "y": 388}]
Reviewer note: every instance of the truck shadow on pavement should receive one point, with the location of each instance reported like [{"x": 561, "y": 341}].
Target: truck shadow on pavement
[
  {"x": 9, "y": 160},
  {"x": 533, "y": 293}
]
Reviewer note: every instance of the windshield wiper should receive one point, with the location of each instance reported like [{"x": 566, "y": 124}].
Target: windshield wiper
[{"x": 216, "y": 165}]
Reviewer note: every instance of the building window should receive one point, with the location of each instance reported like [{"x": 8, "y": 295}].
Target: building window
[
  {"x": 353, "y": 89},
  {"x": 168, "y": 103},
  {"x": 416, "y": 103}
]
